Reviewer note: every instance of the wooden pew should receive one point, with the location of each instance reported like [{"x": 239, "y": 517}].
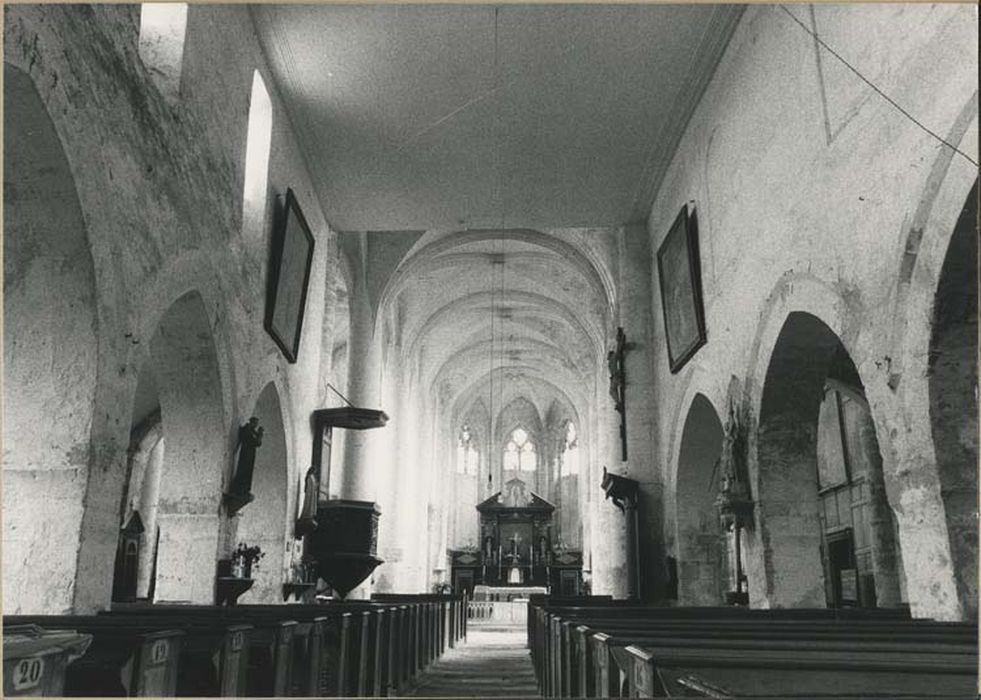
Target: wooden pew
[
  {"x": 451, "y": 611},
  {"x": 35, "y": 660},
  {"x": 538, "y": 601},
  {"x": 122, "y": 660},
  {"x": 364, "y": 647},
  {"x": 271, "y": 641},
  {"x": 385, "y": 645},
  {"x": 390, "y": 636},
  {"x": 572, "y": 657},
  {"x": 550, "y": 651},
  {"x": 724, "y": 672},
  {"x": 540, "y": 628},
  {"x": 421, "y": 626},
  {"x": 213, "y": 657},
  {"x": 567, "y": 672},
  {"x": 602, "y": 674},
  {"x": 555, "y": 659}
]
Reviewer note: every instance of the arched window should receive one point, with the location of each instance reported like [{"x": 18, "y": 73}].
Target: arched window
[
  {"x": 570, "y": 455},
  {"x": 467, "y": 456},
  {"x": 257, "y": 146},
  {"x": 163, "y": 27},
  {"x": 519, "y": 453}
]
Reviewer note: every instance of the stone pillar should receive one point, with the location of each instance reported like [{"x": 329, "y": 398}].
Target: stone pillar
[
  {"x": 609, "y": 526},
  {"x": 639, "y": 398},
  {"x": 633, "y": 548},
  {"x": 623, "y": 493},
  {"x": 885, "y": 566},
  {"x": 930, "y": 577},
  {"x": 357, "y": 479}
]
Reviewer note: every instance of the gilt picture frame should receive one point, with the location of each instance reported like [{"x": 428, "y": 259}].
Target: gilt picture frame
[
  {"x": 679, "y": 275},
  {"x": 289, "y": 277}
]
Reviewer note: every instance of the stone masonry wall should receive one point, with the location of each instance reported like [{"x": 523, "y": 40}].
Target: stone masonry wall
[
  {"x": 159, "y": 184},
  {"x": 815, "y": 194}
]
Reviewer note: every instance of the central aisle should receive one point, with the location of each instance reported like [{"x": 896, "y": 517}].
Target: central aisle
[{"x": 489, "y": 664}]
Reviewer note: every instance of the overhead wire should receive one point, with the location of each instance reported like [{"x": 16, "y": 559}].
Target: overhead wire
[{"x": 875, "y": 87}]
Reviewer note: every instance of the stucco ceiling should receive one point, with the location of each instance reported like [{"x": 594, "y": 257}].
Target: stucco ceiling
[{"x": 417, "y": 117}]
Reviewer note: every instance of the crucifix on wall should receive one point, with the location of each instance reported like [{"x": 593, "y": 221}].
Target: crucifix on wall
[{"x": 614, "y": 359}]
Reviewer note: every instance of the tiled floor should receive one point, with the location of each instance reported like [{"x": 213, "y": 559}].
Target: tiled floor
[{"x": 490, "y": 664}]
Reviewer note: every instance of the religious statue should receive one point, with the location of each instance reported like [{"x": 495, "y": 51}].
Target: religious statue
[
  {"x": 733, "y": 500},
  {"x": 515, "y": 494},
  {"x": 514, "y": 559},
  {"x": 614, "y": 361},
  {"x": 249, "y": 438},
  {"x": 307, "y": 522}
]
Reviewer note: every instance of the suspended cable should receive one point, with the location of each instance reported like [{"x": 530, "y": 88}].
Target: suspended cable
[{"x": 875, "y": 88}]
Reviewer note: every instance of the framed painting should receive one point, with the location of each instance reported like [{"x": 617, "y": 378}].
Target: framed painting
[
  {"x": 289, "y": 275},
  {"x": 679, "y": 274}
]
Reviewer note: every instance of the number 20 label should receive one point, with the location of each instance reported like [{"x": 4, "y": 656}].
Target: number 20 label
[{"x": 28, "y": 673}]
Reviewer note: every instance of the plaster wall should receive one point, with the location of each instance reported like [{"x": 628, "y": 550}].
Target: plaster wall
[
  {"x": 49, "y": 352},
  {"x": 159, "y": 185},
  {"x": 808, "y": 186}
]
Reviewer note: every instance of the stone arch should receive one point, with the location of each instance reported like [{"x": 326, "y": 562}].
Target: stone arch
[
  {"x": 937, "y": 588},
  {"x": 953, "y": 385},
  {"x": 186, "y": 372},
  {"x": 794, "y": 559},
  {"x": 426, "y": 251},
  {"x": 786, "y": 476},
  {"x": 50, "y": 356},
  {"x": 520, "y": 412},
  {"x": 695, "y": 379},
  {"x": 264, "y": 521},
  {"x": 700, "y": 543}
]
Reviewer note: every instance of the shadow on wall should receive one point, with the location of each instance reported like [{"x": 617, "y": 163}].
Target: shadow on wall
[
  {"x": 185, "y": 367},
  {"x": 953, "y": 382},
  {"x": 263, "y": 522},
  {"x": 826, "y": 534},
  {"x": 702, "y": 568}
]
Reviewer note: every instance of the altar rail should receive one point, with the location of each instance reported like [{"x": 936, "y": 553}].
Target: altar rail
[{"x": 497, "y": 612}]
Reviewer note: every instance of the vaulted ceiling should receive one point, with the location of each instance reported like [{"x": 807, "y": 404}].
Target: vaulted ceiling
[{"x": 517, "y": 138}]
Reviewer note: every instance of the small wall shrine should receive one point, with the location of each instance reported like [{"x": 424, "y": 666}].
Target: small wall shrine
[{"x": 516, "y": 545}]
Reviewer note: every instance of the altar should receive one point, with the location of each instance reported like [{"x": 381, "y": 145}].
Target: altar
[
  {"x": 516, "y": 557},
  {"x": 507, "y": 593}
]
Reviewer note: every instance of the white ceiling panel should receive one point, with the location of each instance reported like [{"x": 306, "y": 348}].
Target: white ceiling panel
[{"x": 420, "y": 116}]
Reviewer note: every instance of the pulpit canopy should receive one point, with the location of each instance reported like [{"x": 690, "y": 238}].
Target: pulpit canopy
[{"x": 350, "y": 417}]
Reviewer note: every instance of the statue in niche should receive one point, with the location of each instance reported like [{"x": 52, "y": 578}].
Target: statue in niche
[
  {"x": 249, "y": 439},
  {"x": 307, "y": 522},
  {"x": 514, "y": 494},
  {"x": 514, "y": 559}
]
